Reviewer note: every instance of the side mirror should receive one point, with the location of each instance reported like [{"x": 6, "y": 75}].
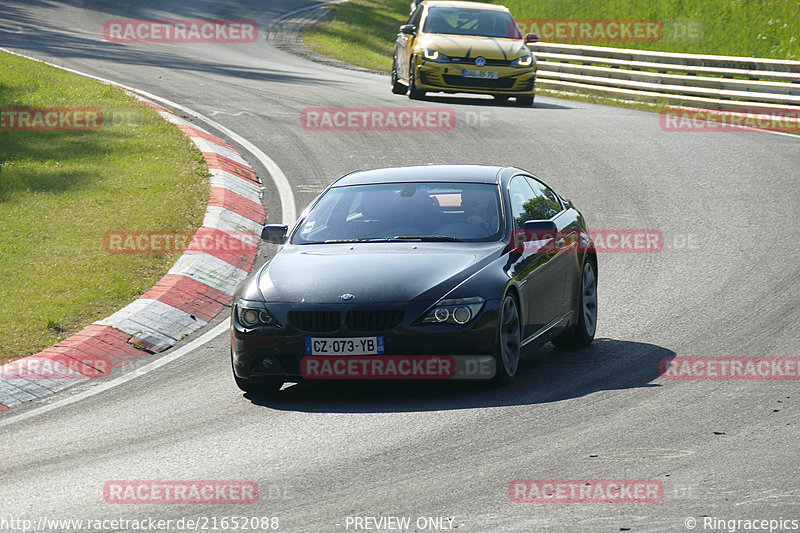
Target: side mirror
[
  {"x": 408, "y": 29},
  {"x": 537, "y": 236},
  {"x": 274, "y": 233},
  {"x": 538, "y": 230},
  {"x": 532, "y": 38}
]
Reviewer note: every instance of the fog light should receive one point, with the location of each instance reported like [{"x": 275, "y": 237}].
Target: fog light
[
  {"x": 462, "y": 315},
  {"x": 267, "y": 363}
]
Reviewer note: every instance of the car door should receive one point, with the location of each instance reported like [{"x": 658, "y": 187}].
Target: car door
[
  {"x": 562, "y": 261},
  {"x": 537, "y": 271},
  {"x": 405, "y": 44}
]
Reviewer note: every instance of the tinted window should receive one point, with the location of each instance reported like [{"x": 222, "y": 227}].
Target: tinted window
[
  {"x": 545, "y": 205},
  {"x": 520, "y": 195},
  {"x": 415, "y": 16},
  {"x": 463, "y": 21},
  {"x": 463, "y": 211}
]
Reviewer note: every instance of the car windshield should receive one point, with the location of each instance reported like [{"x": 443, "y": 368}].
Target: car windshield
[
  {"x": 479, "y": 22},
  {"x": 437, "y": 212}
]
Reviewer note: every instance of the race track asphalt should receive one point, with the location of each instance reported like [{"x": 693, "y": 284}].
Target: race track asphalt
[{"x": 725, "y": 284}]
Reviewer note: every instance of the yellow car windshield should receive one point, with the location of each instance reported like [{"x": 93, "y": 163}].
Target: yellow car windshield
[{"x": 476, "y": 22}]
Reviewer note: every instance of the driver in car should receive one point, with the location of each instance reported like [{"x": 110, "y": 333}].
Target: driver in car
[{"x": 477, "y": 213}]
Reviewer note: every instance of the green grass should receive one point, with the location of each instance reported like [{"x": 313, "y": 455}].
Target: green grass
[
  {"x": 750, "y": 28},
  {"x": 61, "y": 191},
  {"x": 363, "y": 31}
]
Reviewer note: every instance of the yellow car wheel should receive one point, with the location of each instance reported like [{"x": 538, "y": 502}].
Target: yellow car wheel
[
  {"x": 414, "y": 92},
  {"x": 397, "y": 87},
  {"x": 525, "y": 100}
]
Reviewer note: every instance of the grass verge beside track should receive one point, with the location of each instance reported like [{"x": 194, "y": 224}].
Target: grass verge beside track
[
  {"x": 61, "y": 191},
  {"x": 363, "y": 31}
]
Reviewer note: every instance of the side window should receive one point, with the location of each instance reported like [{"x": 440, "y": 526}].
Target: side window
[
  {"x": 415, "y": 16},
  {"x": 520, "y": 195},
  {"x": 545, "y": 205}
]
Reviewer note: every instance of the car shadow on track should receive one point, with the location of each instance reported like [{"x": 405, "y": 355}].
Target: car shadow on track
[{"x": 548, "y": 375}]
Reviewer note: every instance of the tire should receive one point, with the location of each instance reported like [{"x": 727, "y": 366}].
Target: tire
[
  {"x": 269, "y": 386},
  {"x": 397, "y": 87},
  {"x": 509, "y": 342},
  {"x": 414, "y": 92},
  {"x": 525, "y": 101},
  {"x": 582, "y": 332}
]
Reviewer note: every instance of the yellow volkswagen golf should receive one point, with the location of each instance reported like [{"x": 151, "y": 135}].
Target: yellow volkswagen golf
[{"x": 463, "y": 47}]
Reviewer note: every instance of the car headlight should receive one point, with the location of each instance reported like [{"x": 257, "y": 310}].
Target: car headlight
[
  {"x": 524, "y": 61},
  {"x": 254, "y": 314},
  {"x": 457, "y": 311},
  {"x": 433, "y": 55}
]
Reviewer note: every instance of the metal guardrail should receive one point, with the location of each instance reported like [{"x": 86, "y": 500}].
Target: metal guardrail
[{"x": 706, "y": 81}]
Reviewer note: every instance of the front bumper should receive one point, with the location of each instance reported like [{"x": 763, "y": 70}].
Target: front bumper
[
  {"x": 286, "y": 346},
  {"x": 447, "y": 77}
]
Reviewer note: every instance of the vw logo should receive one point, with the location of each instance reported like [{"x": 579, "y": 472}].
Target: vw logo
[
  {"x": 480, "y": 61},
  {"x": 347, "y": 296}
]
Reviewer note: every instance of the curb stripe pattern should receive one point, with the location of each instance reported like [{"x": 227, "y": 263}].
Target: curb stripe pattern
[
  {"x": 226, "y": 198},
  {"x": 195, "y": 289},
  {"x": 191, "y": 131},
  {"x": 216, "y": 161},
  {"x": 196, "y": 298}
]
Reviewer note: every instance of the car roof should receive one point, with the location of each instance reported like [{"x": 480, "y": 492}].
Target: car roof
[
  {"x": 469, "y": 5},
  {"x": 429, "y": 173}
]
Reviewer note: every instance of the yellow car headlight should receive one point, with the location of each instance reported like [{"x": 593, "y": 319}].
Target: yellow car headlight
[
  {"x": 524, "y": 61},
  {"x": 433, "y": 55}
]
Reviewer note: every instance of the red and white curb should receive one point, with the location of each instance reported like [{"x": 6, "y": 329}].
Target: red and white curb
[{"x": 195, "y": 289}]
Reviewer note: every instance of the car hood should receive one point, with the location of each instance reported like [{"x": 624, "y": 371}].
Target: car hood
[
  {"x": 471, "y": 46},
  {"x": 371, "y": 272}
]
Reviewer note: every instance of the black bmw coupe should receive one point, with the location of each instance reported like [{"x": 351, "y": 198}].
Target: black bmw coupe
[{"x": 426, "y": 272}]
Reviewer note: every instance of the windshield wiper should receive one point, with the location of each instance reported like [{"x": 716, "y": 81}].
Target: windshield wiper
[
  {"x": 420, "y": 238},
  {"x": 344, "y": 241},
  {"x": 426, "y": 238}
]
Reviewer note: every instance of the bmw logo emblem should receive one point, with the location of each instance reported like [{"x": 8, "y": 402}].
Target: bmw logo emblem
[
  {"x": 347, "y": 296},
  {"x": 480, "y": 61}
]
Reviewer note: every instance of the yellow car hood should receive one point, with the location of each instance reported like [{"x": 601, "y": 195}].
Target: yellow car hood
[{"x": 470, "y": 46}]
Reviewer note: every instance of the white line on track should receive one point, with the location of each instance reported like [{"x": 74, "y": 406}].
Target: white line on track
[{"x": 218, "y": 330}]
